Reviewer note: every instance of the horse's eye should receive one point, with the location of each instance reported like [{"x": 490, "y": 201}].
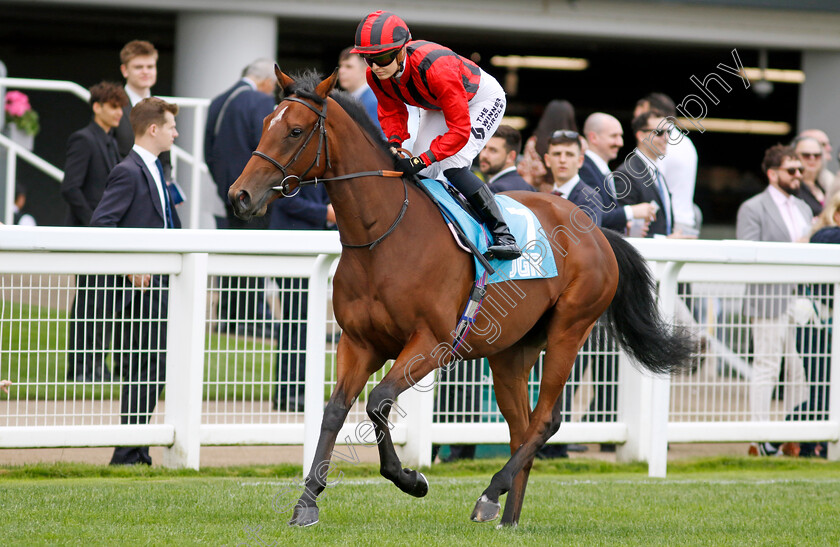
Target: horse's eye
[{"x": 296, "y": 132}]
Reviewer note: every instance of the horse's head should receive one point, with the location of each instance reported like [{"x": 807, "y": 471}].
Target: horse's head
[{"x": 293, "y": 146}]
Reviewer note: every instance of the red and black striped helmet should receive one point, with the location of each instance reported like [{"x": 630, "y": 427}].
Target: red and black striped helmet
[{"x": 379, "y": 32}]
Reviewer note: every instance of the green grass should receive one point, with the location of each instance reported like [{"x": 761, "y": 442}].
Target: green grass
[
  {"x": 733, "y": 501},
  {"x": 33, "y": 350}
]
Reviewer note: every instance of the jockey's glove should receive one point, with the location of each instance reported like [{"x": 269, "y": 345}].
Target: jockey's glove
[{"x": 411, "y": 166}]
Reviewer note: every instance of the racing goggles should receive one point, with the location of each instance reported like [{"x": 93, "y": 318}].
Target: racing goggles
[{"x": 381, "y": 59}]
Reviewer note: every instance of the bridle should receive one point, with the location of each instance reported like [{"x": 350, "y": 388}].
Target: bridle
[{"x": 321, "y": 128}]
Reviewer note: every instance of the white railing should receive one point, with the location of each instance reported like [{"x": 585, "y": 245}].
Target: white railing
[
  {"x": 218, "y": 383},
  {"x": 194, "y": 159}
]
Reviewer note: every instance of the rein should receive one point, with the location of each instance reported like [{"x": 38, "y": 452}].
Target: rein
[{"x": 321, "y": 124}]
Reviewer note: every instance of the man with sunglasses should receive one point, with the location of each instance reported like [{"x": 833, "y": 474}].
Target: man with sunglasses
[
  {"x": 638, "y": 180},
  {"x": 461, "y": 107},
  {"x": 776, "y": 214}
]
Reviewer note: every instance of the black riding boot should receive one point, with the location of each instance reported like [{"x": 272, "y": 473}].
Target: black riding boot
[{"x": 487, "y": 208}]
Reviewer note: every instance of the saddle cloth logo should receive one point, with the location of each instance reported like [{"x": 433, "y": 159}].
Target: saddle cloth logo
[{"x": 537, "y": 260}]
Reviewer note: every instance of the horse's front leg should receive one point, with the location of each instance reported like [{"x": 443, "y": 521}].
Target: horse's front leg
[
  {"x": 354, "y": 367},
  {"x": 412, "y": 365}
]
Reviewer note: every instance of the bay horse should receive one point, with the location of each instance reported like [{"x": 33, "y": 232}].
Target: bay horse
[{"x": 402, "y": 281}]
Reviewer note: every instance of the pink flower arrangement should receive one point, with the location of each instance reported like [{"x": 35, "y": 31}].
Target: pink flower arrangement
[{"x": 19, "y": 112}]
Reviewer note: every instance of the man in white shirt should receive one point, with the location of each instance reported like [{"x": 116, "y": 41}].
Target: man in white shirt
[
  {"x": 138, "y": 65},
  {"x": 774, "y": 215}
]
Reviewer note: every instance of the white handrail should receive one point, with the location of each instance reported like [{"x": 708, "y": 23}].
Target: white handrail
[{"x": 194, "y": 158}]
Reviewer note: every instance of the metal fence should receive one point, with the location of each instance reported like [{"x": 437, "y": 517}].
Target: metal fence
[{"x": 241, "y": 321}]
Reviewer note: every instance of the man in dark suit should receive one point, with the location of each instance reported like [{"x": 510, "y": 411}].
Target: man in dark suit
[
  {"x": 497, "y": 161},
  {"x": 604, "y": 136},
  {"x": 352, "y": 77},
  {"x": 564, "y": 159},
  {"x": 138, "y": 65},
  {"x": 136, "y": 196},
  {"x": 639, "y": 181},
  {"x": 91, "y": 154},
  {"x": 310, "y": 209},
  {"x": 233, "y": 131}
]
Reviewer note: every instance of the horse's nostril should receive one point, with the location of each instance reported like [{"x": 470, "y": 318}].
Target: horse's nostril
[{"x": 243, "y": 198}]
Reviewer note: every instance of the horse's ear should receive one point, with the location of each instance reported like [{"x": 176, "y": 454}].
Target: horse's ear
[
  {"x": 327, "y": 85},
  {"x": 282, "y": 79}
]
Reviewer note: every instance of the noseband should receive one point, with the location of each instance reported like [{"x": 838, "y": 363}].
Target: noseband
[{"x": 321, "y": 125}]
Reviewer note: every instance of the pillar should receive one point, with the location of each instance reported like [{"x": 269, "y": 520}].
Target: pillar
[
  {"x": 211, "y": 49},
  {"x": 818, "y": 96}
]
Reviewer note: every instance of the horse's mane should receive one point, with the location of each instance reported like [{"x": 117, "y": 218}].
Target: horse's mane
[{"x": 304, "y": 86}]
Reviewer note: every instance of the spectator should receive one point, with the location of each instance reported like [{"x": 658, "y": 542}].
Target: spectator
[
  {"x": 811, "y": 154},
  {"x": 91, "y": 154},
  {"x": 138, "y": 65},
  {"x": 462, "y": 107},
  {"x": 827, "y": 227},
  {"x": 4, "y": 385},
  {"x": 310, "y": 209},
  {"x": 137, "y": 196},
  {"x": 558, "y": 114},
  {"x": 775, "y": 214},
  {"x": 352, "y": 79},
  {"x": 497, "y": 161},
  {"x": 604, "y": 135},
  {"x": 640, "y": 180},
  {"x": 233, "y": 131},
  {"x": 679, "y": 166},
  {"x": 813, "y": 339},
  {"x": 565, "y": 159},
  {"x": 18, "y": 216},
  {"x": 826, "y": 177}
]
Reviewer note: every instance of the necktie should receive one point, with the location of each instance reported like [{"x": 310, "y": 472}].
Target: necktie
[
  {"x": 167, "y": 208},
  {"x": 666, "y": 203}
]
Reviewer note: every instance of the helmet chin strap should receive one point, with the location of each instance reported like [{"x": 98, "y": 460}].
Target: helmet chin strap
[{"x": 401, "y": 62}]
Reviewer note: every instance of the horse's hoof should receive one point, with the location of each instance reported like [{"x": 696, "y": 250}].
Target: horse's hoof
[
  {"x": 416, "y": 484},
  {"x": 485, "y": 510},
  {"x": 421, "y": 486},
  {"x": 304, "y": 516}
]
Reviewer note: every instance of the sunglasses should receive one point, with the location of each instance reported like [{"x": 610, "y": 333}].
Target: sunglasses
[
  {"x": 381, "y": 59},
  {"x": 810, "y": 156},
  {"x": 790, "y": 170},
  {"x": 656, "y": 132},
  {"x": 565, "y": 133}
]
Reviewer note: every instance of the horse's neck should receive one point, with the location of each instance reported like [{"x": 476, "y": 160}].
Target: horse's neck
[{"x": 365, "y": 207}]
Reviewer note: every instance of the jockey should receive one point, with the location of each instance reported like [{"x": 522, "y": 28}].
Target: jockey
[{"x": 461, "y": 107}]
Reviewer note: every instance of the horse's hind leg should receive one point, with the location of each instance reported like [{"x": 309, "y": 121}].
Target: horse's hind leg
[
  {"x": 511, "y": 369},
  {"x": 564, "y": 341},
  {"x": 412, "y": 365},
  {"x": 354, "y": 365}
]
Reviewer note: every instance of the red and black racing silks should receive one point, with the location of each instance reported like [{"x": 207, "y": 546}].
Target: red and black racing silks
[{"x": 434, "y": 78}]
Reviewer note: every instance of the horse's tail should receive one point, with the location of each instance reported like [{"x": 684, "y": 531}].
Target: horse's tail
[{"x": 633, "y": 315}]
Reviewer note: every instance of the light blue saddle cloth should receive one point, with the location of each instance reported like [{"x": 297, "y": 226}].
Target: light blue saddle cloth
[{"x": 537, "y": 260}]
